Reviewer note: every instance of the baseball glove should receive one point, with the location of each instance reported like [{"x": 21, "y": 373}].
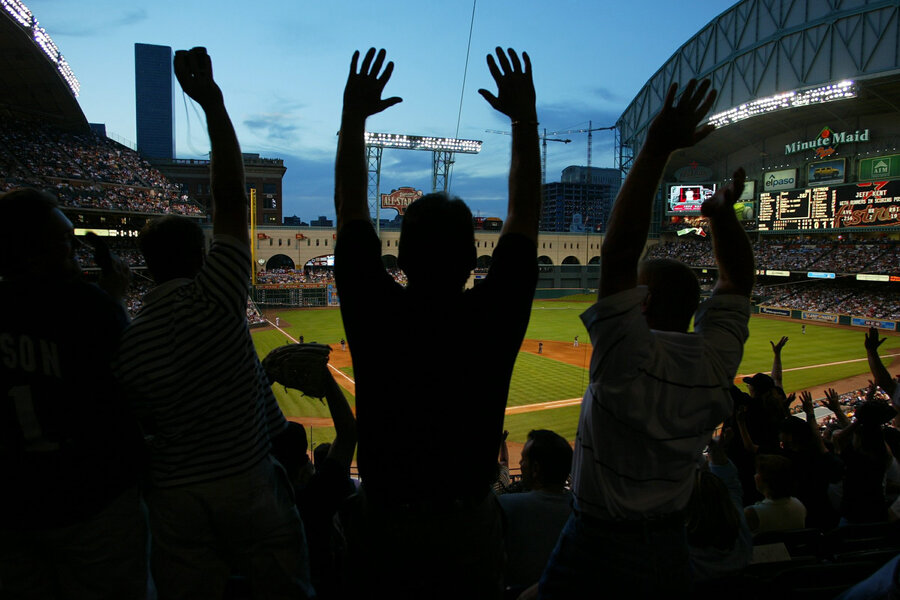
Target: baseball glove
[{"x": 303, "y": 367}]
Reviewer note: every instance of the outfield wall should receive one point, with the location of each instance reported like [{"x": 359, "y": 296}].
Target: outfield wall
[{"x": 826, "y": 317}]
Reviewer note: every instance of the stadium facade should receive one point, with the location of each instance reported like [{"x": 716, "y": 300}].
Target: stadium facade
[{"x": 262, "y": 174}]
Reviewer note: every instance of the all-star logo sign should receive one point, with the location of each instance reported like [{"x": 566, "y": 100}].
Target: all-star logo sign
[
  {"x": 400, "y": 199},
  {"x": 825, "y": 143}
]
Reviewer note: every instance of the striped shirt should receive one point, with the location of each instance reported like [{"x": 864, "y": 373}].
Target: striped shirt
[
  {"x": 652, "y": 404},
  {"x": 189, "y": 365}
]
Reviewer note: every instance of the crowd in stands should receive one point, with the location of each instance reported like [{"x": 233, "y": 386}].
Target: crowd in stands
[
  {"x": 86, "y": 171},
  {"x": 312, "y": 275},
  {"x": 125, "y": 248},
  {"x": 167, "y": 440},
  {"x": 836, "y": 298},
  {"x": 796, "y": 255},
  {"x": 254, "y": 317}
]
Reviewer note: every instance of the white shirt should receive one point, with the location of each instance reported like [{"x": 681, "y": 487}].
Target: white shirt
[{"x": 652, "y": 404}]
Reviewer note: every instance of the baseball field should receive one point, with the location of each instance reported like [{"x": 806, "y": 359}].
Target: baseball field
[{"x": 546, "y": 388}]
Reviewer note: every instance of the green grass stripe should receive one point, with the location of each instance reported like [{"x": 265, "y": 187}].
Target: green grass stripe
[
  {"x": 563, "y": 421},
  {"x": 540, "y": 379},
  {"x": 556, "y": 320}
]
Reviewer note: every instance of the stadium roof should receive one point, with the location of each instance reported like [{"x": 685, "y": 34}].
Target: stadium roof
[
  {"x": 757, "y": 49},
  {"x": 31, "y": 86},
  {"x": 874, "y": 96}
]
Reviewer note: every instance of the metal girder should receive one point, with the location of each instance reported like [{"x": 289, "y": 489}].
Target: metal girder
[
  {"x": 373, "y": 161},
  {"x": 440, "y": 176}
]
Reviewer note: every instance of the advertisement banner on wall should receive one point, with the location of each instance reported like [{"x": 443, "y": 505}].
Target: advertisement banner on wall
[
  {"x": 745, "y": 211},
  {"x": 784, "y": 179},
  {"x": 818, "y": 316},
  {"x": 877, "y": 323},
  {"x": 771, "y": 310},
  {"x": 826, "y": 171},
  {"x": 879, "y": 167}
]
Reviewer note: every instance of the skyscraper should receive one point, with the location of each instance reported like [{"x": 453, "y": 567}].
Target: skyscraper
[{"x": 154, "y": 101}]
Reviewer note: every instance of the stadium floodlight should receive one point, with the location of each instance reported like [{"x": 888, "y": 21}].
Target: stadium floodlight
[
  {"x": 18, "y": 11},
  {"x": 793, "y": 99},
  {"x": 418, "y": 142}
]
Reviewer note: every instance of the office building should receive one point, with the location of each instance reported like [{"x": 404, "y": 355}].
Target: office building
[{"x": 154, "y": 101}]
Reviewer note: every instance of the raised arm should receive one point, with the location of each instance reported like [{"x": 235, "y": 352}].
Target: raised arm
[
  {"x": 193, "y": 69},
  {"x": 674, "y": 127},
  {"x": 362, "y": 98},
  {"x": 344, "y": 424},
  {"x": 776, "y": 362},
  {"x": 516, "y": 99},
  {"x": 879, "y": 371},
  {"x": 810, "y": 410},
  {"x": 731, "y": 247},
  {"x": 833, "y": 401}
]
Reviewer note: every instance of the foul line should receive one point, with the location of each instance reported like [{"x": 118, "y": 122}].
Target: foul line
[
  {"x": 290, "y": 337},
  {"x": 524, "y": 408},
  {"x": 831, "y": 364}
]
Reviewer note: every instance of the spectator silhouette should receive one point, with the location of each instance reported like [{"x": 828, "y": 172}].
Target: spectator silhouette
[
  {"x": 218, "y": 502},
  {"x": 321, "y": 490},
  {"x": 656, "y": 392},
  {"x": 535, "y": 517},
  {"x": 401, "y": 536},
  {"x": 719, "y": 540},
  {"x": 779, "y": 510},
  {"x": 71, "y": 524}
]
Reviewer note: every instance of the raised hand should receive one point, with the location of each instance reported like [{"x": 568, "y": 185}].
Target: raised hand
[
  {"x": 115, "y": 274},
  {"x": 515, "y": 89},
  {"x": 776, "y": 348},
  {"x": 193, "y": 69},
  {"x": 833, "y": 400},
  {"x": 870, "y": 392},
  {"x": 722, "y": 202},
  {"x": 676, "y": 125},
  {"x": 807, "y": 402},
  {"x": 717, "y": 445},
  {"x": 362, "y": 94},
  {"x": 872, "y": 342}
]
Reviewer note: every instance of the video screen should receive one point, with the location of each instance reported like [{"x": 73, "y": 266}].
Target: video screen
[{"x": 687, "y": 199}]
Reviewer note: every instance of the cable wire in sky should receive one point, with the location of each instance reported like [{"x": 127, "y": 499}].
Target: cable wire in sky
[{"x": 462, "y": 92}]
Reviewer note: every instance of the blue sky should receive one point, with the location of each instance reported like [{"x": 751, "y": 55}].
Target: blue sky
[{"x": 282, "y": 65}]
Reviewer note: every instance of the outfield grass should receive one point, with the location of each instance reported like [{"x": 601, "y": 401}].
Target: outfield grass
[{"x": 542, "y": 379}]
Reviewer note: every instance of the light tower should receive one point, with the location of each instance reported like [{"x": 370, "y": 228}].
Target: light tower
[{"x": 442, "y": 150}]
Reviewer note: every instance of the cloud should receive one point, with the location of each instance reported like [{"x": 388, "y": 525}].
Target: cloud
[
  {"x": 129, "y": 17},
  {"x": 608, "y": 95},
  {"x": 276, "y": 127},
  {"x": 575, "y": 115}
]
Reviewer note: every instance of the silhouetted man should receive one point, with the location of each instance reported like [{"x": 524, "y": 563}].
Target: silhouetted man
[
  {"x": 407, "y": 535},
  {"x": 218, "y": 502},
  {"x": 656, "y": 391},
  {"x": 71, "y": 524},
  {"x": 535, "y": 517}
]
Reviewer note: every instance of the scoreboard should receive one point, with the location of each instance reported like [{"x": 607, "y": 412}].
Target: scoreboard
[{"x": 864, "y": 204}]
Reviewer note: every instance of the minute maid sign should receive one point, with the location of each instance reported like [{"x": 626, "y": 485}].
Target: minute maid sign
[{"x": 825, "y": 143}]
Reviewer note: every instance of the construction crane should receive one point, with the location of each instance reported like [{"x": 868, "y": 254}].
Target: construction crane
[
  {"x": 544, "y": 140},
  {"x": 590, "y": 129}
]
